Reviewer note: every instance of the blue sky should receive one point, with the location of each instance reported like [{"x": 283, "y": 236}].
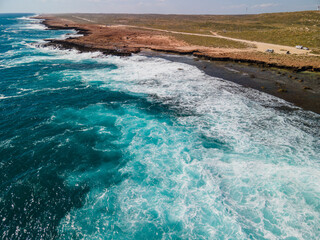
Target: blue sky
[{"x": 157, "y": 6}]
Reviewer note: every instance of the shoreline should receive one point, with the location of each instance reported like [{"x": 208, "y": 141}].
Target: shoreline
[
  {"x": 122, "y": 41},
  {"x": 267, "y": 80},
  {"x": 289, "y": 83}
]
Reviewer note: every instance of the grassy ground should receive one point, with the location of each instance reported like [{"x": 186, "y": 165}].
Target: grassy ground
[
  {"x": 295, "y": 28},
  {"x": 210, "y": 42}
]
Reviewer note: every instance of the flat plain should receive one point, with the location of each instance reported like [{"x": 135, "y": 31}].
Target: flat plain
[{"x": 289, "y": 29}]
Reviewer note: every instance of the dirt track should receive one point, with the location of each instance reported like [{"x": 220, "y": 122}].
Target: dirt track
[
  {"x": 127, "y": 39},
  {"x": 259, "y": 46}
]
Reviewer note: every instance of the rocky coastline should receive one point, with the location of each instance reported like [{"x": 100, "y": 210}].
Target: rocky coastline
[
  {"x": 120, "y": 41},
  {"x": 298, "y": 84}
]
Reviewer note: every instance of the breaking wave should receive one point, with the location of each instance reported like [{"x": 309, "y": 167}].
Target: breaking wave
[{"x": 141, "y": 147}]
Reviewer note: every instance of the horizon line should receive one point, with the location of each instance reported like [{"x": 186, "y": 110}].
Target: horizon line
[{"x": 150, "y": 13}]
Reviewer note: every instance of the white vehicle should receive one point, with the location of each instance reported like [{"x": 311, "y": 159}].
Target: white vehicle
[
  {"x": 270, "y": 51},
  {"x": 305, "y": 48},
  {"x": 299, "y": 47}
]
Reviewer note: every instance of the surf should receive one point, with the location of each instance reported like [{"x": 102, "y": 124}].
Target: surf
[{"x": 134, "y": 147}]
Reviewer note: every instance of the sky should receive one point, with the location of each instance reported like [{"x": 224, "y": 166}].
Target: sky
[{"x": 157, "y": 6}]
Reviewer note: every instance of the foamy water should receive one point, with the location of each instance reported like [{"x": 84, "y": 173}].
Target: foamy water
[{"x": 141, "y": 147}]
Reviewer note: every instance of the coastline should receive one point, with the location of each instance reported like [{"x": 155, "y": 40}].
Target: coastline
[
  {"x": 123, "y": 41},
  {"x": 155, "y": 145},
  {"x": 264, "y": 79},
  {"x": 291, "y": 83}
]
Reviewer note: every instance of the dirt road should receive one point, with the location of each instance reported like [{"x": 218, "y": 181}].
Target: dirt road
[
  {"x": 262, "y": 47},
  {"x": 259, "y": 46}
]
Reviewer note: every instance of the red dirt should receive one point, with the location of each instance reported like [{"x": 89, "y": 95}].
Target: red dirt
[{"x": 124, "y": 41}]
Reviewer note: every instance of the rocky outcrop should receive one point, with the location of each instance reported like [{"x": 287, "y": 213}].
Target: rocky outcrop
[
  {"x": 121, "y": 41},
  {"x": 64, "y": 44}
]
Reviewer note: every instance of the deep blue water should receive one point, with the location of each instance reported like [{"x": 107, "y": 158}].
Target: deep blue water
[{"x": 95, "y": 147}]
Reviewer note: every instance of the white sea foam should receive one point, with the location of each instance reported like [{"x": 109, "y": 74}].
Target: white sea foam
[
  {"x": 25, "y": 92},
  {"x": 169, "y": 165},
  {"x": 34, "y": 26},
  {"x": 26, "y": 18},
  {"x": 253, "y": 175},
  {"x": 56, "y": 55},
  {"x": 230, "y": 162},
  {"x": 30, "y": 23},
  {"x": 227, "y": 161},
  {"x": 72, "y": 34},
  {"x": 30, "y": 19}
]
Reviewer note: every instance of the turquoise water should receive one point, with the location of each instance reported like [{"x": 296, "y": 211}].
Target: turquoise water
[{"x": 96, "y": 147}]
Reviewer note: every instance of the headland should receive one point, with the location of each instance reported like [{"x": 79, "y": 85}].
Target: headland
[{"x": 295, "y": 77}]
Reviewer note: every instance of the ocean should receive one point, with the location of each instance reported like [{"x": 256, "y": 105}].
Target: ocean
[{"x": 141, "y": 147}]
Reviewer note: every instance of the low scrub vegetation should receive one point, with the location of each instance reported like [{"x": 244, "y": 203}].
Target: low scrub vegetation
[{"x": 294, "y": 28}]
